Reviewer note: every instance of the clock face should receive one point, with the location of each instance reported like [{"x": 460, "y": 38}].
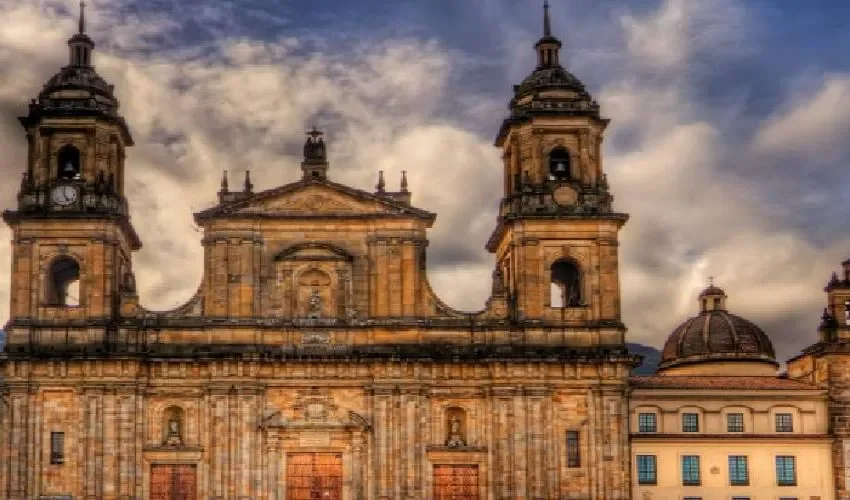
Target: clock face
[
  {"x": 565, "y": 196},
  {"x": 64, "y": 195}
]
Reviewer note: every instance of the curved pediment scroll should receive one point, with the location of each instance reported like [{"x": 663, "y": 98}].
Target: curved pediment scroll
[
  {"x": 314, "y": 414},
  {"x": 314, "y": 252}
]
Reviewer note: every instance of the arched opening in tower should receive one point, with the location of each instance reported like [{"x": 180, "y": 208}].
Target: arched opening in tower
[
  {"x": 565, "y": 287},
  {"x": 64, "y": 283},
  {"x": 68, "y": 162},
  {"x": 559, "y": 164}
]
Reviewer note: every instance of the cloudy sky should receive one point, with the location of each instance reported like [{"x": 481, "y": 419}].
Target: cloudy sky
[{"x": 729, "y": 142}]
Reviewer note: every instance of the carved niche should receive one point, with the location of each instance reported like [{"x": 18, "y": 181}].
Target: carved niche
[{"x": 314, "y": 283}]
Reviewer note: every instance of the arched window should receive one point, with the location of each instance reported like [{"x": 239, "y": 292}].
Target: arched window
[
  {"x": 559, "y": 164},
  {"x": 68, "y": 162},
  {"x": 565, "y": 289},
  {"x": 64, "y": 283}
]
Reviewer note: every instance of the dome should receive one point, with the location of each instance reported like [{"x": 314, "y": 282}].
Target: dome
[
  {"x": 548, "y": 79},
  {"x": 716, "y": 335},
  {"x": 96, "y": 93}
]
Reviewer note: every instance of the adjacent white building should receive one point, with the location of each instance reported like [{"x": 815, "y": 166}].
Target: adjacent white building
[{"x": 716, "y": 422}]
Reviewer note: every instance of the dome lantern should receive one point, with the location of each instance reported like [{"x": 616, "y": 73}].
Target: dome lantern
[{"x": 712, "y": 298}]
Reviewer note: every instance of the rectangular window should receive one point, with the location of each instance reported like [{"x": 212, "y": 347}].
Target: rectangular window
[
  {"x": 740, "y": 498},
  {"x": 57, "y": 448},
  {"x": 738, "y": 473},
  {"x": 646, "y": 469},
  {"x": 646, "y": 422},
  {"x": 734, "y": 422},
  {"x": 786, "y": 471},
  {"x": 573, "y": 450},
  {"x": 690, "y": 470},
  {"x": 692, "y": 498},
  {"x": 690, "y": 422},
  {"x": 784, "y": 422}
]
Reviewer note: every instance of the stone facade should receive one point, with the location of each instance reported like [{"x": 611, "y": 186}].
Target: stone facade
[
  {"x": 314, "y": 358},
  {"x": 827, "y": 365}
]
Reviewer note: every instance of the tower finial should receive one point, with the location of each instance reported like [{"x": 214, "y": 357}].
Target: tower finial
[
  {"x": 249, "y": 186},
  {"x": 404, "y": 181},
  {"x": 548, "y": 46},
  {"x": 82, "y": 16},
  {"x": 224, "y": 183},
  {"x": 381, "y": 186}
]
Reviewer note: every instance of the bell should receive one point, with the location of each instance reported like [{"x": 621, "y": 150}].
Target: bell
[
  {"x": 68, "y": 170},
  {"x": 560, "y": 167}
]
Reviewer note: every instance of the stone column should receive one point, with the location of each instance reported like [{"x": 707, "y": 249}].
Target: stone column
[
  {"x": 358, "y": 458},
  {"x": 272, "y": 482},
  {"x": 538, "y": 446},
  {"x": 16, "y": 447},
  {"x": 383, "y": 425}
]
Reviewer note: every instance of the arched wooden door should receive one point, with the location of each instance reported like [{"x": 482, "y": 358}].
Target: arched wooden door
[
  {"x": 314, "y": 476},
  {"x": 174, "y": 482},
  {"x": 455, "y": 482}
]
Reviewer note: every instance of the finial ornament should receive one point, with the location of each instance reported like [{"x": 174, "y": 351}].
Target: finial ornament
[
  {"x": 403, "y": 181},
  {"x": 548, "y": 46},
  {"x": 314, "y": 147},
  {"x": 249, "y": 187},
  {"x": 711, "y": 281},
  {"x": 82, "y": 16},
  {"x": 381, "y": 186},
  {"x": 224, "y": 183}
]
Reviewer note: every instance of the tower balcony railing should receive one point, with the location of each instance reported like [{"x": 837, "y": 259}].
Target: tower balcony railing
[{"x": 90, "y": 199}]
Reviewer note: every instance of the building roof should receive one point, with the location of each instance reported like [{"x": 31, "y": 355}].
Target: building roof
[
  {"x": 718, "y": 383},
  {"x": 243, "y": 207},
  {"x": 716, "y": 335}
]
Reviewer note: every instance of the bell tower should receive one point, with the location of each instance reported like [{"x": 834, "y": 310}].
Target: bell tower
[
  {"x": 557, "y": 232},
  {"x": 72, "y": 236}
]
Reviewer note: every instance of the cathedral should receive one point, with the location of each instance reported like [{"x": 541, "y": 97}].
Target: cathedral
[{"x": 316, "y": 362}]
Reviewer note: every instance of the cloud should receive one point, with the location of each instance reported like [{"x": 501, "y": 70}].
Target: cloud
[
  {"x": 813, "y": 122},
  {"x": 696, "y": 209},
  {"x": 243, "y": 104},
  {"x": 232, "y": 102},
  {"x": 681, "y": 29}
]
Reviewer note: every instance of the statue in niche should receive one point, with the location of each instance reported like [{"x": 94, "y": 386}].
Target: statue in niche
[
  {"x": 455, "y": 439},
  {"x": 174, "y": 428},
  {"x": 314, "y": 305}
]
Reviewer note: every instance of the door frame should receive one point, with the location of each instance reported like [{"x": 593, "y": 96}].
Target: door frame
[
  {"x": 151, "y": 457},
  {"x": 441, "y": 455},
  {"x": 173, "y": 464}
]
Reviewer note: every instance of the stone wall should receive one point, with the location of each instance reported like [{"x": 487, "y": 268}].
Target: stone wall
[{"x": 388, "y": 420}]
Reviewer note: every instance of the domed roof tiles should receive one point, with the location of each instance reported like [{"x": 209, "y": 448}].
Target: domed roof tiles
[{"x": 716, "y": 335}]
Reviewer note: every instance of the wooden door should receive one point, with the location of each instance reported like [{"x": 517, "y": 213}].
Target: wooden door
[
  {"x": 174, "y": 482},
  {"x": 455, "y": 482},
  {"x": 314, "y": 476}
]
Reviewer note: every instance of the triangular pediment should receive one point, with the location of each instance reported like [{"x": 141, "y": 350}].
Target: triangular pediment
[{"x": 314, "y": 198}]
